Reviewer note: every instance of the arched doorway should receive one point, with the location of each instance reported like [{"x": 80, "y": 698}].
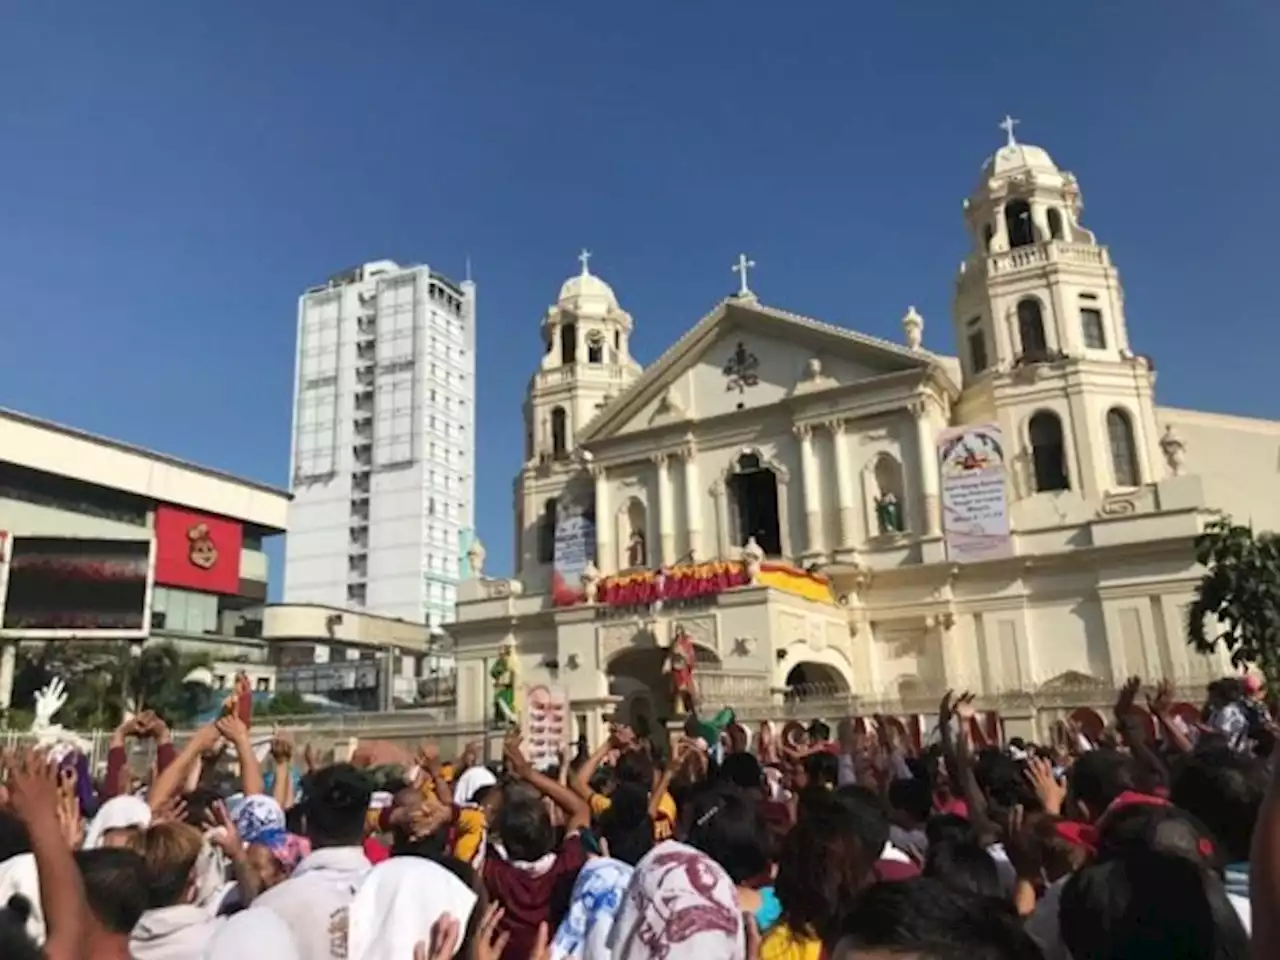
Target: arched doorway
[
  {"x": 809, "y": 680},
  {"x": 636, "y": 676},
  {"x": 753, "y": 496}
]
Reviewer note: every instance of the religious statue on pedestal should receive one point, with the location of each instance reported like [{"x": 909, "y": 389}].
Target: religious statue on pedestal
[
  {"x": 681, "y": 659},
  {"x": 1174, "y": 449},
  {"x": 888, "y": 514},
  {"x": 505, "y": 674},
  {"x": 637, "y": 554}
]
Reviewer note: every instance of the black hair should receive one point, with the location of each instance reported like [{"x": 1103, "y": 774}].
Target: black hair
[
  {"x": 819, "y": 731},
  {"x": 932, "y": 921},
  {"x": 1098, "y": 777},
  {"x": 634, "y": 766},
  {"x": 626, "y": 825},
  {"x": 13, "y": 836},
  {"x": 1224, "y": 790},
  {"x": 725, "y": 824},
  {"x": 1003, "y": 781},
  {"x": 15, "y": 944},
  {"x": 822, "y": 865},
  {"x": 523, "y": 825},
  {"x": 1159, "y": 828},
  {"x": 115, "y": 885},
  {"x": 866, "y": 817},
  {"x": 945, "y": 827},
  {"x": 913, "y": 797},
  {"x": 431, "y": 847},
  {"x": 1148, "y": 905},
  {"x": 964, "y": 865},
  {"x": 337, "y": 801},
  {"x": 823, "y": 769},
  {"x": 482, "y": 794},
  {"x": 200, "y": 805},
  {"x": 742, "y": 770}
]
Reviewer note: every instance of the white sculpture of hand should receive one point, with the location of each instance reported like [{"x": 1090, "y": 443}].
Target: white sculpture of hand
[{"x": 48, "y": 702}]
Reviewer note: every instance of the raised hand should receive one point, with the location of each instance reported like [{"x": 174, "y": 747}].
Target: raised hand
[
  {"x": 33, "y": 787},
  {"x": 1160, "y": 700},
  {"x": 1126, "y": 697},
  {"x": 489, "y": 941},
  {"x": 1051, "y": 791},
  {"x": 69, "y": 817}
]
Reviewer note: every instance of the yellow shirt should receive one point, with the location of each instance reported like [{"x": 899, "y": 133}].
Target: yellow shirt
[
  {"x": 781, "y": 944},
  {"x": 664, "y": 824},
  {"x": 468, "y": 833}
]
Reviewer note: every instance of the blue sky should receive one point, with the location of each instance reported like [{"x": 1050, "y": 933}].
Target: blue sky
[{"x": 172, "y": 175}]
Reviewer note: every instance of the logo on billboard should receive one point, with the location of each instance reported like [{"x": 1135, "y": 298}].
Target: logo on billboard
[{"x": 202, "y": 551}]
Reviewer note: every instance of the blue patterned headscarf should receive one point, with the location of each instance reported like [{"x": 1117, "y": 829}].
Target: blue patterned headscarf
[
  {"x": 258, "y": 819},
  {"x": 597, "y": 895}
]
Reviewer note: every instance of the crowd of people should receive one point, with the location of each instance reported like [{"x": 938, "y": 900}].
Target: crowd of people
[{"x": 844, "y": 843}]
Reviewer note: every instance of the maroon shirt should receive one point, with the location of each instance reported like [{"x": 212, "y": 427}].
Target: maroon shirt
[
  {"x": 892, "y": 870},
  {"x": 530, "y": 899}
]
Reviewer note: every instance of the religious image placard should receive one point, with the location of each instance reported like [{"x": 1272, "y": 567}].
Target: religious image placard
[{"x": 975, "y": 503}]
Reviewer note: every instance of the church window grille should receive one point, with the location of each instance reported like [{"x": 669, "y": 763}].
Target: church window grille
[
  {"x": 1048, "y": 452},
  {"x": 1017, "y": 220},
  {"x": 1054, "y": 219},
  {"x": 1031, "y": 329},
  {"x": 559, "y": 432},
  {"x": 569, "y": 344},
  {"x": 977, "y": 351},
  {"x": 1124, "y": 452},
  {"x": 547, "y": 532},
  {"x": 1095, "y": 337}
]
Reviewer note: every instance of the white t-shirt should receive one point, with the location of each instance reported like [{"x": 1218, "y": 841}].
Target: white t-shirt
[{"x": 313, "y": 901}]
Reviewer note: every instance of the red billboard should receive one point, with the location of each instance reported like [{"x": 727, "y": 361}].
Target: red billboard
[{"x": 195, "y": 551}]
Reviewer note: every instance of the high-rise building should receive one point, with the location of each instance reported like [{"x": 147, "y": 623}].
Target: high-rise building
[{"x": 383, "y": 458}]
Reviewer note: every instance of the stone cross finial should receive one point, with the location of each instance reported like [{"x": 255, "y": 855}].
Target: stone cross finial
[
  {"x": 583, "y": 257},
  {"x": 741, "y": 268},
  {"x": 1007, "y": 125}
]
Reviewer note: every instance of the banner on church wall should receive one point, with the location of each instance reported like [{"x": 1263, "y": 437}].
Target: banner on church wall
[
  {"x": 975, "y": 502},
  {"x": 545, "y": 724},
  {"x": 575, "y": 544}
]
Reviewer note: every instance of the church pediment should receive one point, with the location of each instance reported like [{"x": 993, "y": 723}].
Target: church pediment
[{"x": 744, "y": 355}]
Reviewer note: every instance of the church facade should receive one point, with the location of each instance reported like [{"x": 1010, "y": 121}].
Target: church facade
[{"x": 790, "y": 495}]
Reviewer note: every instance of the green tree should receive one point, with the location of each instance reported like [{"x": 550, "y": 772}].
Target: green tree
[
  {"x": 287, "y": 704},
  {"x": 103, "y": 679},
  {"x": 1240, "y": 589}
]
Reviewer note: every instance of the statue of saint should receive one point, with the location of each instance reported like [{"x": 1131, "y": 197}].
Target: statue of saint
[
  {"x": 888, "y": 514},
  {"x": 681, "y": 658},
  {"x": 637, "y": 555},
  {"x": 505, "y": 674}
]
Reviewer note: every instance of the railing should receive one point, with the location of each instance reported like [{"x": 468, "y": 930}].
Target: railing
[{"x": 1053, "y": 251}]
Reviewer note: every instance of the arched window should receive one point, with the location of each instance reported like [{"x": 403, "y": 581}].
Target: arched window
[
  {"x": 1055, "y": 223},
  {"x": 1048, "y": 452},
  {"x": 1124, "y": 452},
  {"x": 617, "y": 339},
  {"x": 595, "y": 347},
  {"x": 1031, "y": 328},
  {"x": 1017, "y": 220},
  {"x": 988, "y": 234},
  {"x": 569, "y": 344},
  {"x": 547, "y": 532},
  {"x": 559, "y": 432}
]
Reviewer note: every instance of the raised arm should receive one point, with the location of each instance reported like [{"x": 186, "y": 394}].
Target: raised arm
[
  {"x": 237, "y": 733},
  {"x": 576, "y": 809},
  {"x": 170, "y": 780}
]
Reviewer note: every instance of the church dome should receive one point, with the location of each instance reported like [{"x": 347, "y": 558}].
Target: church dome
[
  {"x": 1017, "y": 158},
  {"x": 587, "y": 286}
]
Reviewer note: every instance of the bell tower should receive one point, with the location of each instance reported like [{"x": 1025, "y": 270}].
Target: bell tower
[
  {"x": 586, "y": 363},
  {"x": 1041, "y": 333}
]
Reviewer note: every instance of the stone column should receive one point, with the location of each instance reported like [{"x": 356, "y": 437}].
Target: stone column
[
  {"x": 845, "y": 492},
  {"x": 666, "y": 513},
  {"x": 605, "y": 552},
  {"x": 811, "y": 490},
  {"x": 928, "y": 460},
  {"x": 693, "y": 502}
]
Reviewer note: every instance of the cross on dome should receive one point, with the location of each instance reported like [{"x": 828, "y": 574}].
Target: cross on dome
[
  {"x": 741, "y": 268},
  {"x": 583, "y": 257},
  {"x": 1007, "y": 125}
]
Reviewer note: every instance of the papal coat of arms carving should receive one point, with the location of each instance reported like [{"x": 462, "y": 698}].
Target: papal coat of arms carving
[{"x": 742, "y": 369}]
